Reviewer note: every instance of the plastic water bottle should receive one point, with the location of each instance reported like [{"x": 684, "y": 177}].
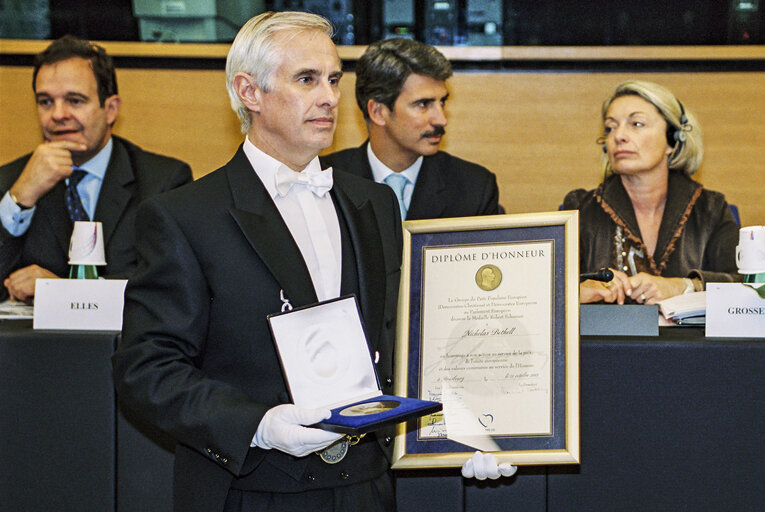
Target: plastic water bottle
[
  {"x": 754, "y": 278},
  {"x": 83, "y": 272}
]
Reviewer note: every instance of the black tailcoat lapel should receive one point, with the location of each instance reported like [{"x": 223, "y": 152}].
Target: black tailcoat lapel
[
  {"x": 258, "y": 218},
  {"x": 367, "y": 246}
]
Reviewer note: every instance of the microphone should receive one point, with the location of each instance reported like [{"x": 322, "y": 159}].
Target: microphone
[{"x": 604, "y": 274}]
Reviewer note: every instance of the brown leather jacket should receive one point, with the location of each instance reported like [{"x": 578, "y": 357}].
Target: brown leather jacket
[{"x": 697, "y": 237}]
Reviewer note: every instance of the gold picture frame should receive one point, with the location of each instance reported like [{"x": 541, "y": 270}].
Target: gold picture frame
[{"x": 488, "y": 323}]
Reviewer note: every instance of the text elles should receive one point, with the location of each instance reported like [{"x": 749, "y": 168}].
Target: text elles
[{"x": 83, "y": 305}]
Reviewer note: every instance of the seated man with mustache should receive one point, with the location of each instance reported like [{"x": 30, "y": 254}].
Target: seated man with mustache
[{"x": 401, "y": 89}]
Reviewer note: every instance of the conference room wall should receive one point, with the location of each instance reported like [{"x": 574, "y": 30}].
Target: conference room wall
[{"x": 535, "y": 130}]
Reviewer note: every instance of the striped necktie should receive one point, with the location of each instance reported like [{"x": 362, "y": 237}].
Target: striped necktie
[{"x": 72, "y": 197}]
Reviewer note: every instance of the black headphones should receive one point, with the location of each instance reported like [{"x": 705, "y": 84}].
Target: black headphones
[{"x": 676, "y": 135}]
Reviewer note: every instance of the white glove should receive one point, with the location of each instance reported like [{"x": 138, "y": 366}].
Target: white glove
[
  {"x": 282, "y": 427},
  {"x": 484, "y": 465}
]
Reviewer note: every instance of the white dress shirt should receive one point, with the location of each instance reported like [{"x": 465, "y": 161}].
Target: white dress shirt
[{"x": 312, "y": 222}]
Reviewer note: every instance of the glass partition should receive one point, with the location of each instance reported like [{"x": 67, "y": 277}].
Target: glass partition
[{"x": 438, "y": 22}]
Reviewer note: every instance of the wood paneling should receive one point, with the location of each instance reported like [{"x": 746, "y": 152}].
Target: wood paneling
[
  {"x": 462, "y": 53},
  {"x": 535, "y": 130}
]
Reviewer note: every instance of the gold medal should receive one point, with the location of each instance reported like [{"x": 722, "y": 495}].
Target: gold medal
[
  {"x": 367, "y": 408},
  {"x": 488, "y": 277}
]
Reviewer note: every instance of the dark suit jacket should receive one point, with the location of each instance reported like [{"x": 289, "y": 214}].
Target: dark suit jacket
[
  {"x": 697, "y": 235},
  {"x": 131, "y": 176},
  {"x": 197, "y": 359},
  {"x": 446, "y": 186}
]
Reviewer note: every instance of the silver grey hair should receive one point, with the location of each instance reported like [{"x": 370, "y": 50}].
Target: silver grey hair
[
  {"x": 254, "y": 52},
  {"x": 687, "y": 156}
]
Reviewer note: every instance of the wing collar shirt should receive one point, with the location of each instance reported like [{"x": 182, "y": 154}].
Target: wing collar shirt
[
  {"x": 380, "y": 171},
  {"x": 16, "y": 221},
  {"x": 311, "y": 219}
]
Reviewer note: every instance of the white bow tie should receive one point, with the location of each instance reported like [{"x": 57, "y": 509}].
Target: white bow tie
[{"x": 318, "y": 182}]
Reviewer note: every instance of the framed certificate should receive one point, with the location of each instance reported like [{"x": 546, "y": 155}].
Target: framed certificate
[{"x": 488, "y": 325}]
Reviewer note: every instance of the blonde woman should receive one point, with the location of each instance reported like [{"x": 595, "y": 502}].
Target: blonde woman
[{"x": 660, "y": 231}]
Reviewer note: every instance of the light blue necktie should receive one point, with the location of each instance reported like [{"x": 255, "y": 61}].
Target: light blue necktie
[{"x": 397, "y": 182}]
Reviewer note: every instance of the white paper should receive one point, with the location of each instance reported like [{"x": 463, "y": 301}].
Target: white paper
[
  {"x": 487, "y": 338},
  {"x": 15, "y": 310},
  {"x": 681, "y": 306},
  {"x": 79, "y": 304},
  {"x": 460, "y": 422}
]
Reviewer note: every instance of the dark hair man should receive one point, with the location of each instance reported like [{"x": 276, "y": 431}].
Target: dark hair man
[
  {"x": 401, "y": 89},
  {"x": 80, "y": 172}
]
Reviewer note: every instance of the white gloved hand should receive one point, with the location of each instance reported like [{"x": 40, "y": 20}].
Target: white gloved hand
[
  {"x": 283, "y": 428},
  {"x": 484, "y": 465}
]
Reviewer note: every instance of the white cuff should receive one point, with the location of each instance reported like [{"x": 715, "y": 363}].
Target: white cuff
[{"x": 15, "y": 220}]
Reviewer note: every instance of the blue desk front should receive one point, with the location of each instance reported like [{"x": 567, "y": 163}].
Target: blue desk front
[
  {"x": 674, "y": 422},
  {"x": 64, "y": 445}
]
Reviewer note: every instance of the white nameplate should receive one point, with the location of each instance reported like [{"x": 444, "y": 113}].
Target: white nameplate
[
  {"x": 79, "y": 304},
  {"x": 734, "y": 310}
]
